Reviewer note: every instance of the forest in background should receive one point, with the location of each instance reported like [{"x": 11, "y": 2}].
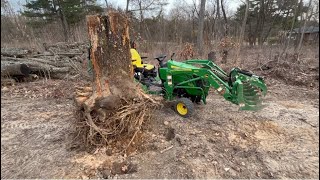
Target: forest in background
[{"x": 205, "y": 24}]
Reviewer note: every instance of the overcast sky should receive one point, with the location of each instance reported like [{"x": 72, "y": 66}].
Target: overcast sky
[{"x": 231, "y": 4}]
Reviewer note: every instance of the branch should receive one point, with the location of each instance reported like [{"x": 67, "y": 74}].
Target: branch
[{"x": 145, "y": 8}]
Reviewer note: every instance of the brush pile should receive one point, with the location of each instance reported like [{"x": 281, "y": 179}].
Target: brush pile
[{"x": 293, "y": 70}]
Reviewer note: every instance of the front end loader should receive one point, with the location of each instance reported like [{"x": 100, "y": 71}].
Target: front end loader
[{"x": 189, "y": 82}]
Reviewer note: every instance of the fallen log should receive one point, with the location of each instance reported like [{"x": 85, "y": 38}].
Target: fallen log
[
  {"x": 50, "y": 69},
  {"x": 14, "y": 52},
  {"x": 44, "y": 65},
  {"x": 36, "y": 61},
  {"x": 15, "y": 69},
  {"x": 68, "y": 54},
  {"x": 41, "y": 69},
  {"x": 31, "y": 64},
  {"x": 43, "y": 54}
]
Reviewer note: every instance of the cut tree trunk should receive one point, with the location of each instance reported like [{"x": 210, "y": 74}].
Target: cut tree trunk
[
  {"x": 110, "y": 56},
  {"x": 14, "y": 69},
  {"x": 114, "y": 108},
  {"x": 212, "y": 56}
]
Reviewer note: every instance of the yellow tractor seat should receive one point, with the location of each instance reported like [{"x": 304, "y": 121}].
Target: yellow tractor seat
[
  {"x": 148, "y": 66},
  {"x": 137, "y": 62}
]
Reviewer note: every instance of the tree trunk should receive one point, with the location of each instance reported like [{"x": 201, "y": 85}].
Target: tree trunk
[
  {"x": 218, "y": 23},
  {"x": 243, "y": 27},
  {"x": 251, "y": 36},
  {"x": 141, "y": 18},
  {"x": 64, "y": 22},
  {"x": 109, "y": 37},
  {"x": 114, "y": 108},
  {"x": 226, "y": 28},
  {"x": 127, "y": 6},
  {"x": 200, "y": 27},
  {"x": 261, "y": 19},
  {"x": 225, "y": 50},
  {"x": 290, "y": 33},
  {"x": 107, "y": 4},
  {"x": 212, "y": 56},
  {"x": 303, "y": 28}
]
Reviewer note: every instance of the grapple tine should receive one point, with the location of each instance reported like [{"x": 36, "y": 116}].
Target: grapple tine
[
  {"x": 253, "y": 102},
  {"x": 252, "y": 98},
  {"x": 248, "y": 90},
  {"x": 253, "y": 93},
  {"x": 252, "y": 108}
]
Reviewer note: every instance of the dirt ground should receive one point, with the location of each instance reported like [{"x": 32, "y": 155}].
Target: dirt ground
[{"x": 218, "y": 141}]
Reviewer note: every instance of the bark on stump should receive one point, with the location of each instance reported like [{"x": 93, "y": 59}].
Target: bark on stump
[
  {"x": 114, "y": 107},
  {"x": 110, "y": 56}
]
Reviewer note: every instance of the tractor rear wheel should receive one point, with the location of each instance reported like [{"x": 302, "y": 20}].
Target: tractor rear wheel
[{"x": 184, "y": 107}]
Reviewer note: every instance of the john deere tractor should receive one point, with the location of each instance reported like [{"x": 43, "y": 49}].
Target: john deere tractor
[{"x": 188, "y": 82}]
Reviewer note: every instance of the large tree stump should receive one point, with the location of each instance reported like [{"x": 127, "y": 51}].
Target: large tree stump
[
  {"x": 110, "y": 56},
  {"x": 114, "y": 107}
]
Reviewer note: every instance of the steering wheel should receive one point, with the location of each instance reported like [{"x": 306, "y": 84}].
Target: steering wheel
[{"x": 160, "y": 58}]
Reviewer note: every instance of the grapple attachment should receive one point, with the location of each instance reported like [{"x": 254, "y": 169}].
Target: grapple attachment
[{"x": 248, "y": 89}]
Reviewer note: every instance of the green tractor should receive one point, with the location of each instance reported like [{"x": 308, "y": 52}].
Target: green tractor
[{"x": 188, "y": 82}]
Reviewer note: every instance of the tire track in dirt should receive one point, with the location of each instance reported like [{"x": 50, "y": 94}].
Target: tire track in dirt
[
  {"x": 278, "y": 142},
  {"x": 291, "y": 151}
]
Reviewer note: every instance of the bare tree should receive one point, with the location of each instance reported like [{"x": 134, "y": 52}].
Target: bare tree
[
  {"x": 127, "y": 6},
  {"x": 143, "y": 6},
  {"x": 200, "y": 27},
  {"x": 243, "y": 27},
  {"x": 304, "y": 27},
  {"x": 225, "y": 19},
  {"x": 107, "y": 4},
  {"x": 64, "y": 21},
  {"x": 4, "y": 4},
  {"x": 290, "y": 33},
  {"x": 218, "y": 20}
]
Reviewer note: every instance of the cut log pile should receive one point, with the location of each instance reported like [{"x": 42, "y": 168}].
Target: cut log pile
[{"x": 57, "y": 61}]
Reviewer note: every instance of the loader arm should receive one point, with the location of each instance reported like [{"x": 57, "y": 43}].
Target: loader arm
[
  {"x": 239, "y": 87},
  {"x": 206, "y": 64}
]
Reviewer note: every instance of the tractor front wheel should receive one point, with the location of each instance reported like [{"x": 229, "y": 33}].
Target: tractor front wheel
[{"x": 184, "y": 107}]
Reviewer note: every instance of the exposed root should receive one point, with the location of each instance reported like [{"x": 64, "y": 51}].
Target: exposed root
[{"x": 103, "y": 127}]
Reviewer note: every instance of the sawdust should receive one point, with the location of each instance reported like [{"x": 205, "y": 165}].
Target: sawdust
[{"x": 291, "y": 104}]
